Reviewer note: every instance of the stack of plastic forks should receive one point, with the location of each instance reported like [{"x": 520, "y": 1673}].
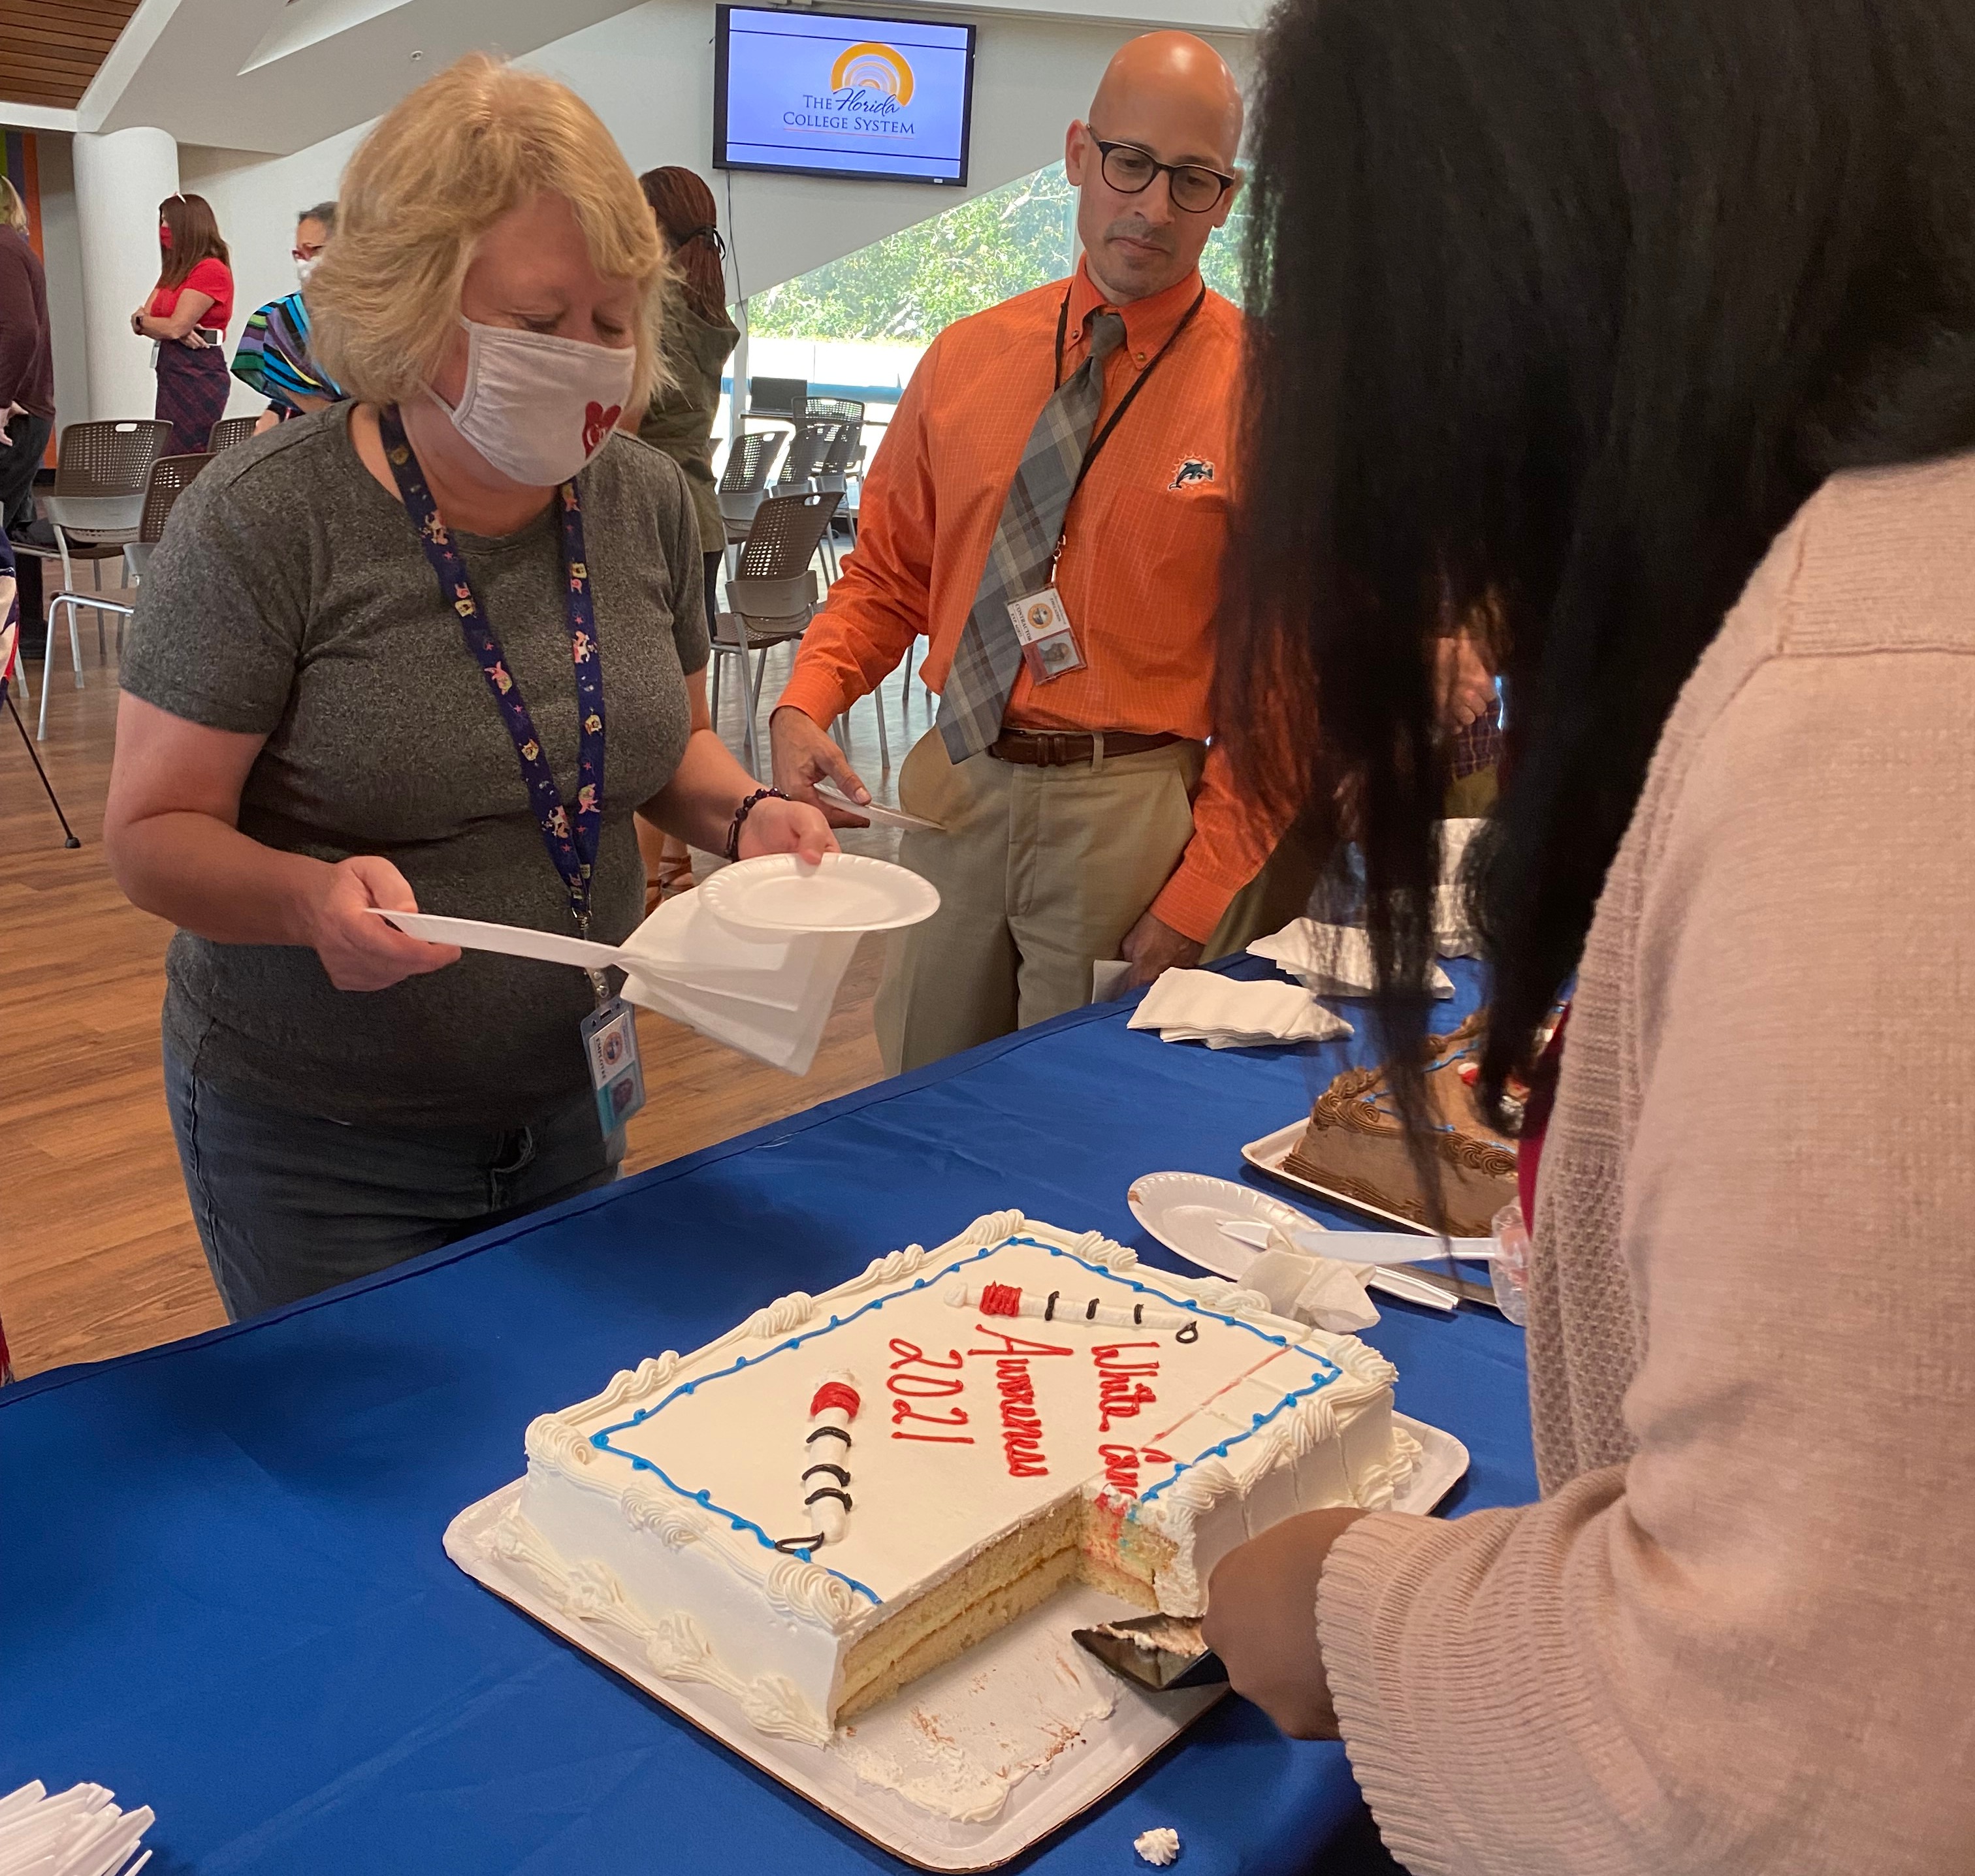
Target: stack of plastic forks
[{"x": 79, "y": 1833}]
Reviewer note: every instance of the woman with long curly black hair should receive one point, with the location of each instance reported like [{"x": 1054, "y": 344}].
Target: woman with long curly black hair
[{"x": 1649, "y": 326}]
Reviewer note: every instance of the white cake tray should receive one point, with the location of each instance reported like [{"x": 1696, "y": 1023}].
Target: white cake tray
[
  {"x": 1027, "y": 1696},
  {"x": 1267, "y": 1154}
]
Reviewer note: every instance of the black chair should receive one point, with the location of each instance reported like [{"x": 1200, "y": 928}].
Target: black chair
[
  {"x": 229, "y": 431},
  {"x": 168, "y": 478},
  {"x": 809, "y": 450},
  {"x": 773, "y": 595},
  {"x": 744, "y": 482}
]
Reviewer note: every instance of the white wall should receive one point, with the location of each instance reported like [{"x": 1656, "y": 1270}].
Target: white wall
[
  {"x": 649, "y": 73},
  {"x": 62, "y": 254}
]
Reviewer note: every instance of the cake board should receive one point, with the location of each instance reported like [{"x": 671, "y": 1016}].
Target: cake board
[{"x": 1027, "y": 1699}]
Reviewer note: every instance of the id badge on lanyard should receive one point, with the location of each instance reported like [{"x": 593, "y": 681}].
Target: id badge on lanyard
[
  {"x": 608, "y": 1033},
  {"x": 1042, "y": 623},
  {"x": 1049, "y": 648}
]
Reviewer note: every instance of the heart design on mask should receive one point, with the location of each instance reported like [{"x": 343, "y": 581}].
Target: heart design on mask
[{"x": 596, "y": 424}]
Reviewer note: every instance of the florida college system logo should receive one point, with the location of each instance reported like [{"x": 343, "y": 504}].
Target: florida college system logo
[
  {"x": 870, "y": 85},
  {"x": 872, "y": 66}
]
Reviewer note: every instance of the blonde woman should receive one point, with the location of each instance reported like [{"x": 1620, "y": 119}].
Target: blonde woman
[{"x": 429, "y": 648}]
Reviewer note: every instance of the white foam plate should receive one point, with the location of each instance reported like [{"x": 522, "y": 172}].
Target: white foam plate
[
  {"x": 846, "y": 892},
  {"x": 1026, "y": 1701},
  {"x": 1185, "y": 1211}
]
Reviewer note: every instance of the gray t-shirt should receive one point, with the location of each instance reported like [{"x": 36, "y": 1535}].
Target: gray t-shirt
[{"x": 290, "y": 598}]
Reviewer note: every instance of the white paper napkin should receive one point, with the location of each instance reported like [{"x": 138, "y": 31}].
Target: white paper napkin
[
  {"x": 1332, "y": 959},
  {"x": 1203, "y": 1006},
  {"x": 1107, "y": 978},
  {"x": 1322, "y": 1290}
]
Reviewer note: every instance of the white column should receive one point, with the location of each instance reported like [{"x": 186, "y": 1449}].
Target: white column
[
  {"x": 736, "y": 398},
  {"x": 119, "y": 180}
]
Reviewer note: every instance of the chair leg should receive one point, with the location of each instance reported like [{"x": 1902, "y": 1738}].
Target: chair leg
[
  {"x": 747, "y": 697},
  {"x": 20, "y": 677},
  {"x": 884, "y": 741},
  {"x": 713, "y": 700},
  {"x": 75, "y": 642},
  {"x": 48, "y": 672},
  {"x": 69, "y": 840}
]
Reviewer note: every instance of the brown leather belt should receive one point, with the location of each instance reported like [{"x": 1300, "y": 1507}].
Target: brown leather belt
[{"x": 1062, "y": 749}]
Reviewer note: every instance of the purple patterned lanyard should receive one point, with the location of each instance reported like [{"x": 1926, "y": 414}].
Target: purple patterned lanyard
[{"x": 572, "y": 847}]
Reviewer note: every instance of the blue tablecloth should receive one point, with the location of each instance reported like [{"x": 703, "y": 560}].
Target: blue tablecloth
[{"x": 222, "y": 1587}]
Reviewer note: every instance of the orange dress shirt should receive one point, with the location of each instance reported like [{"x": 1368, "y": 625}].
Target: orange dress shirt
[{"x": 1140, "y": 571}]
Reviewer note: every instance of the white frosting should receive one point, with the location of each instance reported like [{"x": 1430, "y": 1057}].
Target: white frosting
[
  {"x": 1159, "y": 1847},
  {"x": 676, "y": 1482}
]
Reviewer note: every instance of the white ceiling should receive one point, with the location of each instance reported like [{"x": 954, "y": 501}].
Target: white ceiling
[{"x": 277, "y": 75}]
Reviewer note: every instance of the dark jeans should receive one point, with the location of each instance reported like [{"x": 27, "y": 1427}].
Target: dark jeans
[
  {"x": 286, "y": 1204},
  {"x": 21, "y": 451}
]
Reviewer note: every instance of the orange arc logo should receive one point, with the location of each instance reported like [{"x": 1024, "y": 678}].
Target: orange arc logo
[{"x": 874, "y": 66}]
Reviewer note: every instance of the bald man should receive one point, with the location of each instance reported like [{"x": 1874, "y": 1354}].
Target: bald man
[{"x": 1049, "y": 508}]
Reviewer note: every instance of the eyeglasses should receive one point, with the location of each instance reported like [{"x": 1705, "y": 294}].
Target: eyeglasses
[{"x": 1130, "y": 170}]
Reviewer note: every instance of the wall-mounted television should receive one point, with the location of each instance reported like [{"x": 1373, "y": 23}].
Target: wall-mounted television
[{"x": 842, "y": 94}]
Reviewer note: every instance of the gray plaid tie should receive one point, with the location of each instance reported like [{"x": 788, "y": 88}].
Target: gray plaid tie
[{"x": 989, "y": 654}]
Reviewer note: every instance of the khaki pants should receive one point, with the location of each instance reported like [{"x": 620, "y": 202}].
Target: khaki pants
[{"x": 1040, "y": 872}]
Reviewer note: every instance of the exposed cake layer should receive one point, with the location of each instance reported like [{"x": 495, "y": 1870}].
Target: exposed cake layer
[{"x": 974, "y": 1426}]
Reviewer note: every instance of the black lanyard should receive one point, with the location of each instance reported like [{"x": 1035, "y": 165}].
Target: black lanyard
[{"x": 1103, "y": 436}]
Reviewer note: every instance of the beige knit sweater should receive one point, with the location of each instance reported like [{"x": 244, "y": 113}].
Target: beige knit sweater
[{"x": 1738, "y": 1634}]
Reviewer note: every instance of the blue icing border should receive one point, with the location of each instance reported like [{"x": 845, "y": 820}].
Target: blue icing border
[{"x": 1326, "y": 1371}]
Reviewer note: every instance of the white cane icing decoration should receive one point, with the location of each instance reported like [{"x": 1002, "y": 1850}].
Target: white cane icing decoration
[
  {"x": 826, "y": 1477},
  {"x": 1007, "y": 1299}
]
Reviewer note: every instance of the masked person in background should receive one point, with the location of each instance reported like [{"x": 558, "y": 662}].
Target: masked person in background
[
  {"x": 431, "y": 647},
  {"x": 274, "y": 357},
  {"x": 187, "y": 314}
]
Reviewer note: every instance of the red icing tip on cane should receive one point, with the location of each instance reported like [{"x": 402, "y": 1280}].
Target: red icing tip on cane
[
  {"x": 1000, "y": 1300},
  {"x": 835, "y": 1393}
]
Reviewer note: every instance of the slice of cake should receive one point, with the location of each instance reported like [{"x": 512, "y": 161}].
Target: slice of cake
[
  {"x": 849, "y": 1490},
  {"x": 1355, "y": 1147}
]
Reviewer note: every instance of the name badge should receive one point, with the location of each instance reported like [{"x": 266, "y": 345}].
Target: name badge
[
  {"x": 610, "y": 1047},
  {"x": 1049, "y": 641}
]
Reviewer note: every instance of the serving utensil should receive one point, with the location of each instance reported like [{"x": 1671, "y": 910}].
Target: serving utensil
[{"x": 1163, "y": 1653}]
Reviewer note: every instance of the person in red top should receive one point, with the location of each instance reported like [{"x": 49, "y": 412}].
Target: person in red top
[{"x": 188, "y": 313}]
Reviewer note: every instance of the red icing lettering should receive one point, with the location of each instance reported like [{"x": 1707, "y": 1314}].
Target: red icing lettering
[
  {"x": 1121, "y": 1395},
  {"x": 909, "y": 1385},
  {"x": 1015, "y": 1345},
  {"x": 1021, "y": 1425}
]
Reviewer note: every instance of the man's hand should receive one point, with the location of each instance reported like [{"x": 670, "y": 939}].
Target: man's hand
[
  {"x": 358, "y": 950},
  {"x": 1464, "y": 686},
  {"x": 1261, "y": 1621},
  {"x": 804, "y": 755},
  {"x": 1152, "y": 946}
]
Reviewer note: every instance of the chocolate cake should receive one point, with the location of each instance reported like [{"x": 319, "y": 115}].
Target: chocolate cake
[{"x": 1356, "y": 1146}]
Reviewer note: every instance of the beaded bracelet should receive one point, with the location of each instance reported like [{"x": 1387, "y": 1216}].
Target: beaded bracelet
[{"x": 741, "y": 813}]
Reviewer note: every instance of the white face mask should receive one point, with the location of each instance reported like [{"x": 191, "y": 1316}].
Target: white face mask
[
  {"x": 536, "y": 406},
  {"x": 304, "y": 268}
]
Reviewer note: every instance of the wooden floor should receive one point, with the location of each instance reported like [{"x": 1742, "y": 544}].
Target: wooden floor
[{"x": 97, "y": 1253}]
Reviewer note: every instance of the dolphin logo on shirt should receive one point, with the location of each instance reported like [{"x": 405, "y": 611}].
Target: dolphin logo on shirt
[{"x": 1194, "y": 471}]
